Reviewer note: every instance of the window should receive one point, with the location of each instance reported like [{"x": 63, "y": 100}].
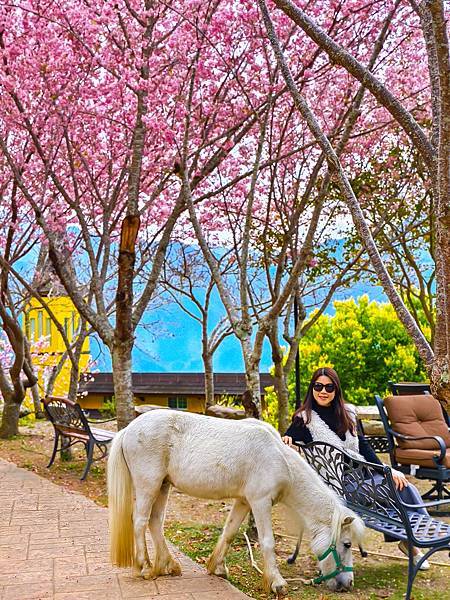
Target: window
[
  {"x": 32, "y": 330},
  {"x": 48, "y": 329},
  {"x": 40, "y": 329},
  {"x": 178, "y": 402},
  {"x": 66, "y": 327}
]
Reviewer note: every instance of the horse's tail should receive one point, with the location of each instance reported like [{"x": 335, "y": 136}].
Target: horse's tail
[{"x": 120, "y": 502}]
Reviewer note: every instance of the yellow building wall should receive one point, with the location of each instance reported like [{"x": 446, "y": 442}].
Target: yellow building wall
[{"x": 47, "y": 344}]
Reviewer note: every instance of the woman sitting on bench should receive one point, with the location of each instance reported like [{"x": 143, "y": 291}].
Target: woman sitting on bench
[{"x": 324, "y": 417}]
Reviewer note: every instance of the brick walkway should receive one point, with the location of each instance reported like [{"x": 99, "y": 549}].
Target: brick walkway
[{"x": 54, "y": 544}]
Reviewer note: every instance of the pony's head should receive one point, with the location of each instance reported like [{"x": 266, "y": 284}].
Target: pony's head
[{"x": 333, "y": 547}]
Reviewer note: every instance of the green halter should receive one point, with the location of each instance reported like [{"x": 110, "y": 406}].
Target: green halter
[{"x": 339, "y": 566}]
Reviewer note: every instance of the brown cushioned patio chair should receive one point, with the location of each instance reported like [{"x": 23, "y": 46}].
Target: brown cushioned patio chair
[
  {"x": 411, "y": 388},
  {"x": 418, "y": 439}
]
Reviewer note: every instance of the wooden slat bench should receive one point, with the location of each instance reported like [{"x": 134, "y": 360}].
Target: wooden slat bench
[{"x": 71, "y": 426}]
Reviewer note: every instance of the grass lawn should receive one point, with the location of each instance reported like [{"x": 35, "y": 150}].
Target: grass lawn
[{"x": 194, "y": 526}]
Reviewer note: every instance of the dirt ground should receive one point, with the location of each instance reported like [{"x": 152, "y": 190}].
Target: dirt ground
[{"x": 381, "y": 575}]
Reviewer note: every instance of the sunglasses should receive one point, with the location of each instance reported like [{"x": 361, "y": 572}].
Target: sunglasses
[{"x": 329, "y": 387}]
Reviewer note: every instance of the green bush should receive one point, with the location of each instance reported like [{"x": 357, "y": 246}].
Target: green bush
[
  {"x": 366, "y": 344},
  {"x": 109, "y": 408}
]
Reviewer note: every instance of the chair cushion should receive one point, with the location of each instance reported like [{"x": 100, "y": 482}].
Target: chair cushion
[
  {"x": 423, "y": 458},
  {"x": 417, "y": 416}
]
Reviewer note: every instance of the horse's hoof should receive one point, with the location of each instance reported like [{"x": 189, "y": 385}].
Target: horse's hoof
[
  {"x": 281, "y": 590},
  {"x": 171, "y": 568},
  {"x": 221, "y": 571},
  {"x": 146, "y": 573},
  {"x": 174, "y": 569},
  {"x": 142, "y": 571}
]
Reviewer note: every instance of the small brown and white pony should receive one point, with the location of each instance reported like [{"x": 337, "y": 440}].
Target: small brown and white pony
[{"x": 215, "y": 458}]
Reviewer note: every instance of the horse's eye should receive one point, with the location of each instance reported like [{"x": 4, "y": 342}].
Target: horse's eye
[{"x": 347, "y": 545}]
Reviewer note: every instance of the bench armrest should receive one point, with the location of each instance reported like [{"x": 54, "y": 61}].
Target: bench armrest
[
  {"x": 436, "y": 438},
  {"x": 426, "y": 504},
  {"x": 94, "y": 421}
]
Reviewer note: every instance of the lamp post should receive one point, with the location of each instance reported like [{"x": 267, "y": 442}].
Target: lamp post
[{"x": 298, "y": 400}]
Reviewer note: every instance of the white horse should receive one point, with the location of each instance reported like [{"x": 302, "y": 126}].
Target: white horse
[{"x": 214, "y": 458}]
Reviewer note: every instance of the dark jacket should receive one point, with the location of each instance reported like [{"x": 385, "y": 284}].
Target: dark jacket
[{"x": 300, "y": 433}]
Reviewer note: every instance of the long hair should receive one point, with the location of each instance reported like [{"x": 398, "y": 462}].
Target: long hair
[{"x": 343, "y": 420}]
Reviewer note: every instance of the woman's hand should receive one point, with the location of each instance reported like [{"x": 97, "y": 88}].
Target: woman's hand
[
  {"x": 399, "y": 479},
  {"x": 287, "y": 440}
]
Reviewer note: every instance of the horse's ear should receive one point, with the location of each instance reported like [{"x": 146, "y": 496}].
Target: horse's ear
[{"x": 348, "y": 520}]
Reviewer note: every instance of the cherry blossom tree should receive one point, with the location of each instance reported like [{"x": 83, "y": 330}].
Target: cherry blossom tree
[
  {"x": 271, "y": 209},
  {"x": 127, "y": 125},
  {"x": 16, "y": 369},
  {"x": 426, "y": 24},
  {"x": 95, "y": 96}
]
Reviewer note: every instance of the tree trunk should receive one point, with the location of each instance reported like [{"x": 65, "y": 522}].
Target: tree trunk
[
  {"x": 73, "y": 383},
  {"x": 38, "y": 412},
  {"x": 434, "y": 28},
  {"x": 10, "y": 420},
  {"x": 439, "y": 382},
  {"x": 280, "y": 380},
  {"x": 123, "y": 389},
  {"x": 75, "y": 366},
  {"x": 56, "y": 370},
  {"x": 251, "y": 399},
  {"x": 282, "y": 392},
  {"x": 209, "y": 379}
]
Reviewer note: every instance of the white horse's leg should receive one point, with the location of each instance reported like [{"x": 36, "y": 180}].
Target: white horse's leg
[
  {"x": 164, "y": 563},
  {"x": 142, "y": 507},
  {"x": 145, "y": 495},
  {"x": 262, "y": 511},
  {"x": 216, "y": 563}
]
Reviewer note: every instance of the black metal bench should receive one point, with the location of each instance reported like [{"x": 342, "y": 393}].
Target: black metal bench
[
  {"x": 71, "y": 426},
  {"x": 378, "y": 442},
  {"x": 369, "y": 490}
]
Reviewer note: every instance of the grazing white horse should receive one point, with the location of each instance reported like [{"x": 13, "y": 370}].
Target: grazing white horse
[{"x": 215, "y": 458}]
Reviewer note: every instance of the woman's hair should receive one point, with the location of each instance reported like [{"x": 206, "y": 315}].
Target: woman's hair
[{"x": 343, "y": 420}]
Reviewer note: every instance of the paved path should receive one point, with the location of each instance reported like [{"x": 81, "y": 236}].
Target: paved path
[{"x": 54, "y": 544}]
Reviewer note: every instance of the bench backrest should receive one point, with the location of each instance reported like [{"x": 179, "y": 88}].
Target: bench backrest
[
  {"x": 367, "y": 488},
  {"x": 409, "y": 388},
  {"x": 66, "y": 416}
]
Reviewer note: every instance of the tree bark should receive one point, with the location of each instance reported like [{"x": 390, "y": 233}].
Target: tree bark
[
  {"x": 13, "y": 387},
  {"x": 251, "y": 399},
  {"x": 34, "y": 390},
  {"x": 281, "y": 387},
  {"x": 10, "y": 419},
  {"x": 435, "y": 33},
  {"x": 75, "y": 366},
  {"x": 122, "y": 378},
  {"x": 123, "y": 332},
  {"x": 209, "y": 379},
  {"x": 38, "y": 412}
]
